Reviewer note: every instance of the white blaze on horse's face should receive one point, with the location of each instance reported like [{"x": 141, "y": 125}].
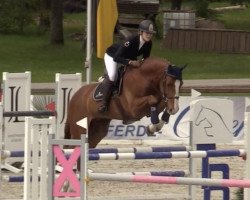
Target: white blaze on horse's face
[
  {"x": 175, "y": 108},
  {"x": 176, "y": 101}
]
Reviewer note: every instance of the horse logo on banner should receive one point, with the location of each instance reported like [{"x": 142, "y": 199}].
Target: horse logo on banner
[{"x": 212, "y": 120}]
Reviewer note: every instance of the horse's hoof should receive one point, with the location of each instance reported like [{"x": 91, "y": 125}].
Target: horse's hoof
[{"x": 149, "y": 133}]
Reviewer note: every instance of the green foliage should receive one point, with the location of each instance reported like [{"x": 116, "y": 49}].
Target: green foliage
[
  {"x": 20, "y": 53},
  {"x": 15, "y": 15},
  {"x": 237, "y": 19},
  {"x": 235, "y": 2},
  {"x": 202, "y": 9}
]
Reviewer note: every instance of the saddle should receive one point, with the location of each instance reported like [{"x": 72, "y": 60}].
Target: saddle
[{"x": 98, "y": 92}]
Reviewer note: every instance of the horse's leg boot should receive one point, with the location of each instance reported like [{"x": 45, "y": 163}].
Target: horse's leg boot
[{"x": 108, "y": 89}]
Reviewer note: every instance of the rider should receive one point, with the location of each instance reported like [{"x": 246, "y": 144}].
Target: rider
[{"x": 126, "y": 54}]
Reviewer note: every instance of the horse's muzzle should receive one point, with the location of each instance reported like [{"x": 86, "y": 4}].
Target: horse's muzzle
[{"x": 175, "y": 108}]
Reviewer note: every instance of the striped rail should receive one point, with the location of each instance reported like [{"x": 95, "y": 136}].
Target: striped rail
[
  {"x": 166, "y": 155},
  {"x": 8, "y": 154},
  {"x": 171, "y": 180},
  {"x": 180, "y": 173},
  {"x": 145, "y": 155}
]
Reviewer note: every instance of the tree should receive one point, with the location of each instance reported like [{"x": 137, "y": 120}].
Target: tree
[
  {"x": 202, "y": 9},
  {"x": 176, "y": 4},
  {"x": 44, "y": 18},
  {"x": 56, "y": 26},
  {"x": 16, "y": 15}
]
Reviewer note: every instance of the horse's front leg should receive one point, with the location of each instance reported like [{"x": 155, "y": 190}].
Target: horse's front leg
[
  {"x": 140, "y": 105},
  {"x": 155, "y": 127},
  {"x": 152, "y": 102}
]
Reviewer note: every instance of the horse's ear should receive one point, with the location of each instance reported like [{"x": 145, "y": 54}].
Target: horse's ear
[{"x": 184, "y": 67}]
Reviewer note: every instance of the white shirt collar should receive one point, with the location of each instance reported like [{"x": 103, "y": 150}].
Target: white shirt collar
[{"x": 141, "y": 42}]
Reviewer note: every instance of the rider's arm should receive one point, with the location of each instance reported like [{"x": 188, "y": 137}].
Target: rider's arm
[
  {"x": 118, "y": 55},
  {"x": 147, "y": 50},
  {"x": 128, "y": 49}
]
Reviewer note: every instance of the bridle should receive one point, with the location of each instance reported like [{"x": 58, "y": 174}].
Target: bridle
[{"x": 164, "y": 96}]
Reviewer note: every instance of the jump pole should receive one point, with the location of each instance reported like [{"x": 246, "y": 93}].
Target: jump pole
[
  {"x": 171, "y": 180},
  {"x": 7, "y": 153},
  {"x": 247, "y": 145},
  {"x": 28, "y": 113}
]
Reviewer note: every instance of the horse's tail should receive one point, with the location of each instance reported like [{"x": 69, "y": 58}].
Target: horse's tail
[{"x": 67, "y": 131}]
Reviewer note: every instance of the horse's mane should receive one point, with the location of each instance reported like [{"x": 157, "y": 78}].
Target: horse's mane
[
  {"x": 154, "y": 65},
  {"x": 156, "y": 61}
]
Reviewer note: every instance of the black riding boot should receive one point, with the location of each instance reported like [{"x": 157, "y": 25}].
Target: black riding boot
[{"x": 108, "y": 89}]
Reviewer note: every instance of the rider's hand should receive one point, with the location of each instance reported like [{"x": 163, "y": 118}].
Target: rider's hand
[
  {"x": 134, "y": 63},
  {"x": 142, "y": 60}
]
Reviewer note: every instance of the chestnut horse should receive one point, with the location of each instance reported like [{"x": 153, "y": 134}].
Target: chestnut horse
[{"x": 154, "y": 83}]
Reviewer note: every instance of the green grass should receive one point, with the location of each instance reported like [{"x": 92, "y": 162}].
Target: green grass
[
  {"x": 32, "y": 52},
  {"x": 239, "y": 19},
  {"x": 207, "y": 65}
]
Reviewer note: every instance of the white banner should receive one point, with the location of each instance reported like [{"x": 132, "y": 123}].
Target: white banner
[
  {"x": 178, "y": 127},
  {"x": 16, "y": 97},
  {"x": 67, "y": 85}
]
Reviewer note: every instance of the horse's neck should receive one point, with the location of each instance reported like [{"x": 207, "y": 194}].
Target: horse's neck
[
  {"x": 151, "y": 73},
  {"x": 149, "y": 77},
  {"x": 153, "y": 77}
]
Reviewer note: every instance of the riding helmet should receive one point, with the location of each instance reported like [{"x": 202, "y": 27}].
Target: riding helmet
[{"x": 147, "y": 26}]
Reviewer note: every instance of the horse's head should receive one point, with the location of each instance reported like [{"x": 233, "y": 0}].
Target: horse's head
[{"x": 173, "y": 83}]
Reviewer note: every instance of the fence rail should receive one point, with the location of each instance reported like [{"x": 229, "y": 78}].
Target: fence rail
[
  {"x": 224, "y": 41},
  {"x": 204, "y": 86}
]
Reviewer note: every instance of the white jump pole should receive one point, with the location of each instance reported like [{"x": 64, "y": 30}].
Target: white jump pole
[{"x": 247, "y": 145}]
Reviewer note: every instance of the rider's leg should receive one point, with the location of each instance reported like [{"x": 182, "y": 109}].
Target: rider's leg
[
  {"x": 111, "y": 68},
  {"x": 108, "y": 89}
]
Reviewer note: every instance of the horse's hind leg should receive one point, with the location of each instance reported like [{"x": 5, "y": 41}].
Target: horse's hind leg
[
  {"x": 72, "y": 131},
  {"x": 67, "y": 131},
  {"x": 98, "y": 129}
]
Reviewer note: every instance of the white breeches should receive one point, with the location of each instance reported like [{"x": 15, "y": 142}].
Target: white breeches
[{"x": 111, "y": 67}]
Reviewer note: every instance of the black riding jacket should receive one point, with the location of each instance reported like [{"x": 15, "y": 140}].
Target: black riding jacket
[{"x": 129, "y": 50}]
